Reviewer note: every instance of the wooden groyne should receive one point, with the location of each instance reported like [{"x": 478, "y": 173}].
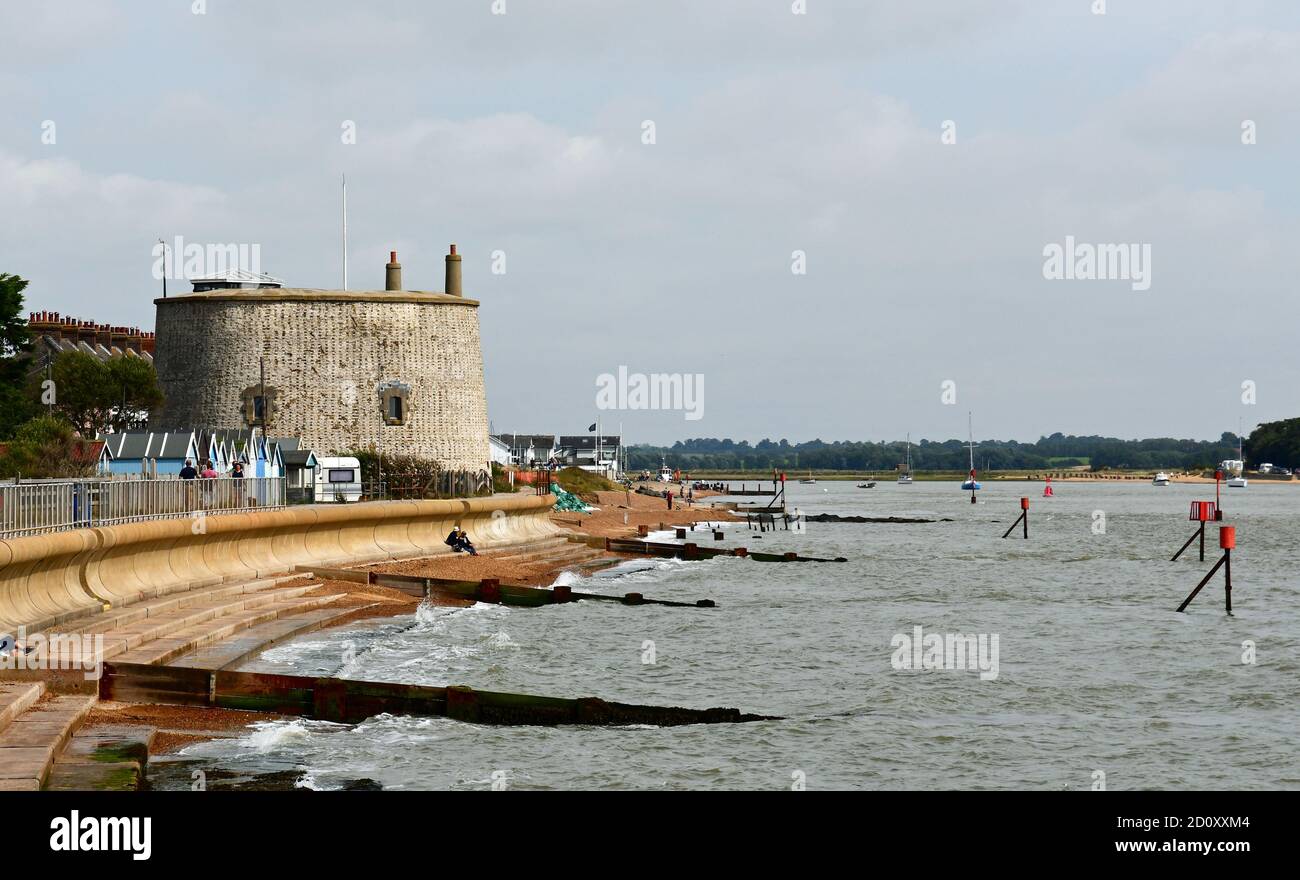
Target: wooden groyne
[
  {"x": 832, "y": 518},
  {"x": 347, "y": 701},
  {"x": 695, "y": 551},
  {"x": 491, "y": 590}
]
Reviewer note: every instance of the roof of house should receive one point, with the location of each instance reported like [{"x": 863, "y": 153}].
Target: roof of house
[
  {"x": 588, "y": 441},
  {"x": 300, "y": 458},
  {"x": 523, "y": 441},
  {"x": 149, "y": 444}
]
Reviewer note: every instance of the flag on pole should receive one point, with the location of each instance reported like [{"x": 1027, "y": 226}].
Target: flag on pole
[{"x": 593, "y": 427}]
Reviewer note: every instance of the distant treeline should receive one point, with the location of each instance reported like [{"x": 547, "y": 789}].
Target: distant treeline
[{"x": 1056, "y": 451}]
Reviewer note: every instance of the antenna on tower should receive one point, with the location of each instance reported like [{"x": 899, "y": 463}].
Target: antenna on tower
[{"x": 345, "y": 232}]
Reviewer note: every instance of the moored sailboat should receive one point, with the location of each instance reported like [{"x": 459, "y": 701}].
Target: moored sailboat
[
  {"x": 972, "y": 483},
  {"x": 1239, "y": 481}
]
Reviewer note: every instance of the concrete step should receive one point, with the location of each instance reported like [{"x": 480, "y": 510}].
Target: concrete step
[
  {"x": 16, "y": 697},
  {"x": 29, "y": 743},
  {"x": 234, "y": 651},
  {"x": 185, "y": 639},
  {"x": 167, "y": 622},
  {"x": 138, "y": 611},
  {"x": 102, "y": 759}
]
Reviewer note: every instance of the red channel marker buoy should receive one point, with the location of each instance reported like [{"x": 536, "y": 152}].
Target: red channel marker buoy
[{"x": 1047, "y": 490}]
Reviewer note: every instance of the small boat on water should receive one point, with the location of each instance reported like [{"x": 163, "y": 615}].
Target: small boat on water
[
  {"x": 870, "y": 485},
  {"x": 1161, "y": 479},
  {"x": 905, "y": 478},
  {"x": 808, "y": 480}
]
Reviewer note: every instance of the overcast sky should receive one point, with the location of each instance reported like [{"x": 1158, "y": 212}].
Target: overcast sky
[{"x": 773, "y": 133}]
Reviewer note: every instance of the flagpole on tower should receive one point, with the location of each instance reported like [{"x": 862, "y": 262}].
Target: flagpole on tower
[{"x": 345, "y": 232}]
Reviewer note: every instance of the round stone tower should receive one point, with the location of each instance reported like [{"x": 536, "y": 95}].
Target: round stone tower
[{"x": 397, "y": 370}]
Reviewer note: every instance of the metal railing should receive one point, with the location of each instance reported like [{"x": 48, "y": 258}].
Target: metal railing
[
  {"x": 445, "y": 484},
  {"x": 34, "y": 508}
]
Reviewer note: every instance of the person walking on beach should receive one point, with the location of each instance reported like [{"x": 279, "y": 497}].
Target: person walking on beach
[
  {"x": 237, "y": 471},
  {"x": 188, "y": 472},
  {"x": 669, "y": 495},
  {"x": 208, "y": 472}
]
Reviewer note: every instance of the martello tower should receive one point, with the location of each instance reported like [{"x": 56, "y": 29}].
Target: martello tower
[{"x": 394, "y": 369}]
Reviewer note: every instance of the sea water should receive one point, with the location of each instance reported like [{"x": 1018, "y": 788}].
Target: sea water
[{"x": 1099, "y": 682}]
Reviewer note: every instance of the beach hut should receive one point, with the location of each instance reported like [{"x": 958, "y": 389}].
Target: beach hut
[{"x": 169, "y": 450}]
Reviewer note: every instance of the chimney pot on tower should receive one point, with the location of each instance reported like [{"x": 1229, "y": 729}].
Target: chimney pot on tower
[
  {"x": 393, "y": 273},
  {"x": 452, "y": 287}
]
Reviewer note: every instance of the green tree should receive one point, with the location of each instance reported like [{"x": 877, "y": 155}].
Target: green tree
[
  {"x": 135, "y": 386},
  {"x": 83, "y": 391},
  {"x": 16, "y": 406},
  {"x": 1275, "y": 442},
  {"x": 97, "y": 395},
  {"x": 47, "y": 446}
]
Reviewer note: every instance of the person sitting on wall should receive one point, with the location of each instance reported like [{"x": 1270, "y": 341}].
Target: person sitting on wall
[{"x": 188, "y": 472}]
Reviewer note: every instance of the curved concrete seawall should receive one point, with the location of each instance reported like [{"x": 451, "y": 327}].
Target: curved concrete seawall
[{"x": 48, "y": 579}]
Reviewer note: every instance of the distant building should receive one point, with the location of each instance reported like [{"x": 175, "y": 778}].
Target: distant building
[
  {"x": 529, "y": 450},
  {"x": 590, "y": 452},
  {"x": 53, "y": 333},
  {"x": 499, "y": 451}
]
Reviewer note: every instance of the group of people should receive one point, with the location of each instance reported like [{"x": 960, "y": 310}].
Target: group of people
[{"x": 189, "y": 472}]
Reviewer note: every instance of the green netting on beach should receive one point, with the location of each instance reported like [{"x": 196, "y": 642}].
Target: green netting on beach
[{"x": 567, "y": 500}]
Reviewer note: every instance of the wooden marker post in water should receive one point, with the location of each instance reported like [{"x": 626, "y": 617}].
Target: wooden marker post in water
[
  {"x": 1202, "y": 512},
  {"x": 1023, "y": 520},
  {"x": 1227, "y": 543}
]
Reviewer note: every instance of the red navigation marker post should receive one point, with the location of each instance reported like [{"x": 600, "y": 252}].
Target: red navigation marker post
[
  {"x": 1227, "y": 543},
  {"x": 1202, "y": 512},
  {"x": 1022, "y": 520},
  {"x": 1218, "y": 507},
  {"x": 1047, "y": 490}
]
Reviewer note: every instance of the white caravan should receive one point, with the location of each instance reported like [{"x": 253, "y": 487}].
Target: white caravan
[{"x": 338, "y": 480}]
